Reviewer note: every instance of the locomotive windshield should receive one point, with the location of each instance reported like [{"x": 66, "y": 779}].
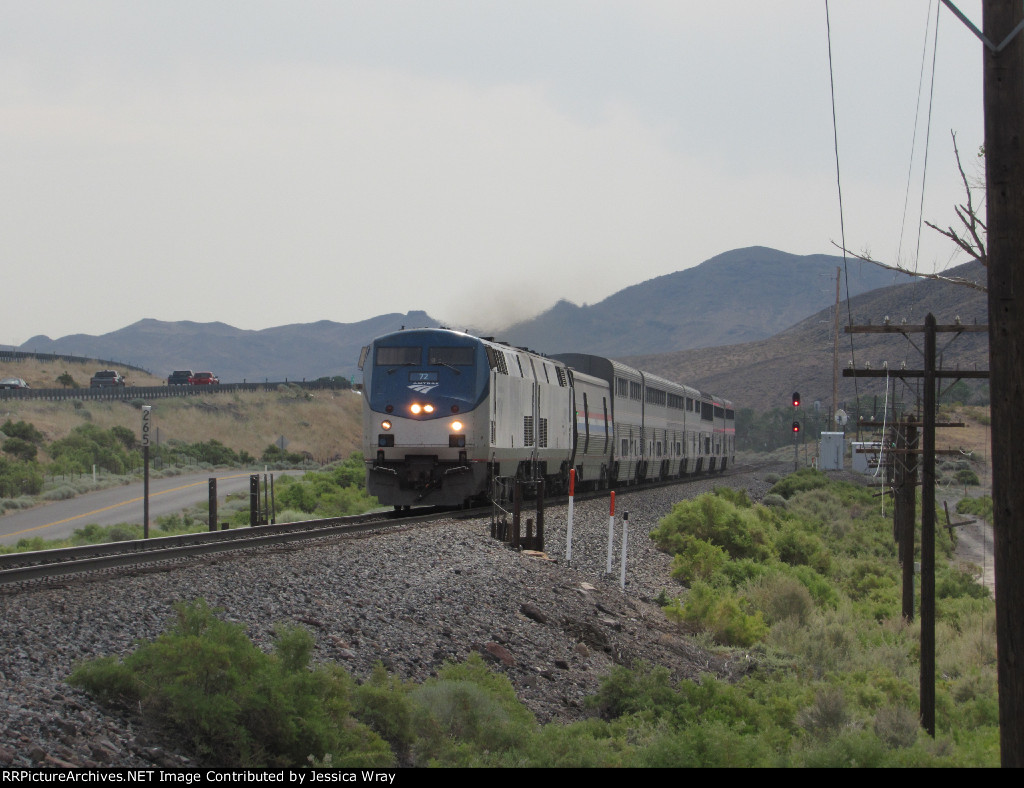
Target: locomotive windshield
[
  {"x": 451, "y": 356},
  {"x": 398, "y": 356}
]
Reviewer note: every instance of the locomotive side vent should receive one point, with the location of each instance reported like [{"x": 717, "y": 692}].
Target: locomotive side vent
[
  {"x": 527, "y": 430},
  {"x": 543, "y": 438}
]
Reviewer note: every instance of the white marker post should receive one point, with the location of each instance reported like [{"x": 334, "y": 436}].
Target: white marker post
[
  {"x": 146, "y": 413},
  {"x": 611, "y": 536},
  {"x": 625, "y": 542},
  {"x": 568, "y": 536}
]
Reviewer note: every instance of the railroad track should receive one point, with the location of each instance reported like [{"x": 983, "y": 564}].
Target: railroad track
[
  {"x": 42, "y": 564},
  {"x": 21, "y": 567}
]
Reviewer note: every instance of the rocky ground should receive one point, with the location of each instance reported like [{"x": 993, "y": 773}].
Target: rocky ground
[{"x": 411, "y": 599}]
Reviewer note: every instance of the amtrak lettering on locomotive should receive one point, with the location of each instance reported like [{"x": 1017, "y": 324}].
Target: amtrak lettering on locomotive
[{"x": 445, "y": 412}]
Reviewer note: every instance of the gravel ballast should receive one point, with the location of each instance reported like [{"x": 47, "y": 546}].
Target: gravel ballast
[{"x": 410, "y": 599}]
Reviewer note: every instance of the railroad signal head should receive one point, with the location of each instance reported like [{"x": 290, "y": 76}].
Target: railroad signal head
[
  {"x": 796, "y": 401},
  {"x": 796, "y": 427}
]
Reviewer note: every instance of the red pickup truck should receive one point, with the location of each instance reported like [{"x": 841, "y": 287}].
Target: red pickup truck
[{"x": 204, "y": 379}]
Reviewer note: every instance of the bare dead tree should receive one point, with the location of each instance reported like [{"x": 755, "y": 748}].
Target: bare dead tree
[{"x": 970, "y": 237}]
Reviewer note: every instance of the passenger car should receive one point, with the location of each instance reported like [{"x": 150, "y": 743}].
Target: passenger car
[
  {"x": 106, "y": 378},
  {"x": 13, "y": 383},
  {"x": 180, "y": 377},
  {"x": 204, "y": 379}
]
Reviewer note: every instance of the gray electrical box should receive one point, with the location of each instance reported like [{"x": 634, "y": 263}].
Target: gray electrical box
[
  {"x": 831, "y": 451},
  {"x": 866, "y": 455}
]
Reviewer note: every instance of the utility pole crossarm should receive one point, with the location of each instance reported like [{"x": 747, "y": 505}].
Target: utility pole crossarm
[
  {"x": 952, "y": 328},
  {"x": 976, "y": 374}
]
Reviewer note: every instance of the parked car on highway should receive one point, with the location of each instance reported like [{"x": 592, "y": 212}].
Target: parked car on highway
[
  {"x": 106, "y": 378},
  {"x": 204, "y": 379},
  {"x": 13, "y": 383},
  {"x": 180, "y": 377}
]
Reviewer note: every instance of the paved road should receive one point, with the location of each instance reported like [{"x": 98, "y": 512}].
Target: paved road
[{"x": 170, "y": 495}]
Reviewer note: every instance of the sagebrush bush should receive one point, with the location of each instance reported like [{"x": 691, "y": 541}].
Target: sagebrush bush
[
  {"x": 897, "y": 726},
  {"x": 827, "y": 716},
  {"x": 697, "y": 560},
  {"x": 61, "y": 493},
  {"x": 742, "y": 532},
  {"x": 236, "y": 705},
  {"x": 727, "y": 616},
  {"x": 779, "y": 597},
  {"x": 800, "y": 481},
  {"x": 967, "y": 476}
]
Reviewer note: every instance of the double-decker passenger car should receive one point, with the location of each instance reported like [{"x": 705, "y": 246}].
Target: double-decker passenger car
[{"x": 445, "y": 413}]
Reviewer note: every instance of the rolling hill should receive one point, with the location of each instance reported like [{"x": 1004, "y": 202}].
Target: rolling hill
[
  {"x": 750, "y": 324},
  {"x": 762, "y": 374}
]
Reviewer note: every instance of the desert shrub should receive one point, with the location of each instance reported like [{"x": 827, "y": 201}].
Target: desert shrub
[
  {"x": 896, "y": 726},
  {"x": 124, "y": 532},
  {"x": 625, "y": 691},
  {"x": 799, "y": 481},
  {"x": 775, "y": 500},
  {"x": 848, "y": 749},
  {"x": 827, "y": 716},
  {"x": 61, "y": 493},
  {"x": 336, "y": 491},
  {"x": 798, "y": 545},
  {"x": 980, "y": 507},
  {"x": 967, "y": 476},
  {"x": 383, "y": 702},
  {"x": 236, "y": 705},
  {"x": 22, "y": 430},
  {"x": 778, "y": 597},
  {"x": 87, "y": 445},
  {"x": 20, "y": 449},
  {"x": 722, "y": 613},
  {"x": 19, "y": 478},
  {"x": 698, "y": 560},
  {"x": 864, "y": 576},
  {"x": 715, "y": 745},
  {"x": 466, "y": 714},
  {"x": 742, "y": 532}
]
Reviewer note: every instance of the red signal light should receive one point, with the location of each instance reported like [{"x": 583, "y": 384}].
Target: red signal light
[
  {"x": 796, "y": 426},
  {"x": 796, "y": 400}
]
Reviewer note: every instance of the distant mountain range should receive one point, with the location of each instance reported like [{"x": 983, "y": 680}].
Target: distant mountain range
[
  {"x": 763, "y": 374},
  {"x": 742, "y": 324},
  {"x": 738, "y": 296},
  {"x": 302, "y": 351}
]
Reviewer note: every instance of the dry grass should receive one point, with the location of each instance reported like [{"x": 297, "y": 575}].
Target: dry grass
[
  {"x": 326, "y": 424},
  {"x": 43, "y": 374}
]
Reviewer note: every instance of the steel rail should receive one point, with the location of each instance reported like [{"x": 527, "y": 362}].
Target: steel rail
[
  {"x": 40, "y": 564},
  {"x": 53, "y": 563}
]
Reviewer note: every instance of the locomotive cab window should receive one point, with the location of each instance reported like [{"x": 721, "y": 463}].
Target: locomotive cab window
[
  {"x": 399, "y": 356},
  {"x": 451, "y": 356}
]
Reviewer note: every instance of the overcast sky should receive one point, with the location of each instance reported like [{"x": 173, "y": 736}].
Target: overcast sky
[{"x": 264, "y": 162}]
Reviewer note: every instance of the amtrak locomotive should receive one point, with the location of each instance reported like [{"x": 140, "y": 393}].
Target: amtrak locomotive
[{"x": 446, "y": 413}]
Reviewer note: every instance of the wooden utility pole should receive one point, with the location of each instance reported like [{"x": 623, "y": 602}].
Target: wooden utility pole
[
  {"x": 835, "y": 356},
  {"x": 1004, "y": 175},
  {"x": 930, "y": 375}
]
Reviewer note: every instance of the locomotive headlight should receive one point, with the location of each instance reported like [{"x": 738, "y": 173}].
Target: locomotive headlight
[
  {"x": 457, "y": 426},
  {"x": 416, "y": 408},
  {"x": 428, "y": 408},
  {"x": 385, "y": 425}
]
